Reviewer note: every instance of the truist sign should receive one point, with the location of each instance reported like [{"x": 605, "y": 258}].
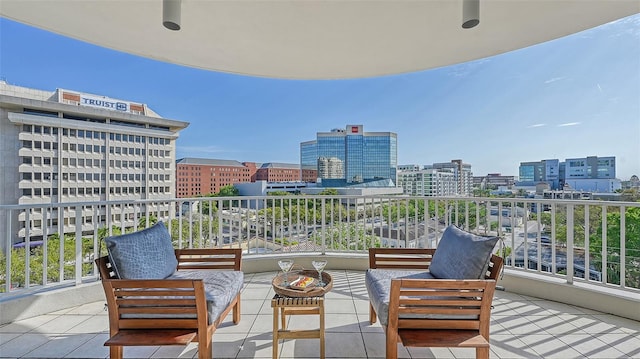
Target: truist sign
[{"x": 103, "y": 102}]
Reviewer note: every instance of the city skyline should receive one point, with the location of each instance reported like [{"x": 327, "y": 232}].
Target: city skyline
[{"x": 573, "y": 97}]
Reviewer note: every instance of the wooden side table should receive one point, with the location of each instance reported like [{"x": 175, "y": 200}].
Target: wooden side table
[{"x": 283, "y": 306}]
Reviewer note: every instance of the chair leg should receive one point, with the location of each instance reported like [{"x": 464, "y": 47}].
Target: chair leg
[
  {"x": 236, "y": 311},
  {"x": 115, "y": 352},
  {"x": 392, "y": 344},
  {"x": 205, "y": 338},
  {"x": 204, "y": 350},
  {"x": 372, "y": 314},
  {"x": 482, "y": 353}
]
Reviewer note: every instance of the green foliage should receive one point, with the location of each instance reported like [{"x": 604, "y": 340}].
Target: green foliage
[
  {"x": 209, "y": 205},
  {"x": 477, "y": 192},
  {"x": 194, "y": 233},
  {"x": 142, "y": 222},
  {"x": 630, "y": 195},
  {"x": 329, "y": 192},
  {"x": 346, "y": 236},
  {"x": 504, "y": 252},
  {"x": 37, "y": 270},
  {"x": 228, "y": 191},
  {"x": 285, "y": 242},
  {"x": 613, "y": 247}
]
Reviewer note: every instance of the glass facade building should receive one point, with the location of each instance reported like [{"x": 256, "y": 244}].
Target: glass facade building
[{"x": 352, "y": 157}]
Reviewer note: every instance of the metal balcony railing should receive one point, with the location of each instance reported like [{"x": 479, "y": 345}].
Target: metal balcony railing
[{"x": 49, "y": 245}]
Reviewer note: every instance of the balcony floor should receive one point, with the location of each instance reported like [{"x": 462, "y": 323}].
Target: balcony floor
[{"x": 522, "y": 327}]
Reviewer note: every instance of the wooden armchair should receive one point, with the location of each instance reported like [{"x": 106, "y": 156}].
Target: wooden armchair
[
  {"x": 429, "y": 312},
  {"x": 175, "y": 310}
]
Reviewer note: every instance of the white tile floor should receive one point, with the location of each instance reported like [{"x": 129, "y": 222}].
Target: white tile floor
[{"x": 523, "y": 327}]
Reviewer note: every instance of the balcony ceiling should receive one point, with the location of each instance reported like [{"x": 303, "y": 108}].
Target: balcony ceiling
[{"x": 314, "y": 39}]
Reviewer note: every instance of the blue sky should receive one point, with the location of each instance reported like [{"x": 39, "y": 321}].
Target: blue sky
[{"x": 573, "y": 97}]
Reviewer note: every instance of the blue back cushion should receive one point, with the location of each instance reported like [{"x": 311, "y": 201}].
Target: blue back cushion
[
  {"x": 146, "y": 254},
  {"x": 462, "y": 255}
]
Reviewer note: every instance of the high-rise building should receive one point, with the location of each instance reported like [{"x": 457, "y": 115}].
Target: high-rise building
[
  {"x": 330, "y": 168},
  {"x": 461, "y": 172},
  {"x": 352, "y": 157},
  {"x": 69, "y": 146},
  {"x": 428, "y": 182}
]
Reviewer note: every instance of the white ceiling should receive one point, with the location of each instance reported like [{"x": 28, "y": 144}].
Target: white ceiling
[{"x": 313, "y": 39}]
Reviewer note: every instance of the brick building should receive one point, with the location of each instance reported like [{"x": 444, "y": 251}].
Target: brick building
[
  {"x": 279, "y": 172},
  {"x": 202, "y": 176}
]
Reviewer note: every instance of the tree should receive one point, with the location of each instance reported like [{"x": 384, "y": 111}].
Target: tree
[
  {"x": 630, "y": 195},
  {"x": 346, "y": 236},
  {"x": 228, "y": 191},
  {"x": 185, "y": 234},
  {"x": 613, "y": 247},
  {"x": 143, "y": 222},
  {"x": 329, "y": 192},
  {"x": 36, "y": 261},
  {"x": 277, "y": 202},
  {"x": 209, "y": 205}
]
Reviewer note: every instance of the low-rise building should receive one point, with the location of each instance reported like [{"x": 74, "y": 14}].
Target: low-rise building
[{"x": 202, "y": 176}]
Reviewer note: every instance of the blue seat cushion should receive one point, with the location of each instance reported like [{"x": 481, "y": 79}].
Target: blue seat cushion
[
  {"x": 378, "y": 282},
  {"x": 462, "y": 255},
  {"x": 146, "y": 254},
  {"x": 220, "y": 287}
]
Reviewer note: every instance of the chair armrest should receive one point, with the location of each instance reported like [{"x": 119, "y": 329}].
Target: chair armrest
[
  {"x": 441, "y": 303},
  {"x": 155, "y": 304},
  {"x": 209, "y": 258}
]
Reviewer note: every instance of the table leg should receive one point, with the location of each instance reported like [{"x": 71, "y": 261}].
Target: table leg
[
  {"x": 275, "y": 332},
  {"x": 321, "y": 308}
]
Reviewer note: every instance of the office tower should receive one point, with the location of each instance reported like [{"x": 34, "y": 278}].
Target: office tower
[
  {"x": 352, "y": 157},
  {"x": 69, "y": 146}
]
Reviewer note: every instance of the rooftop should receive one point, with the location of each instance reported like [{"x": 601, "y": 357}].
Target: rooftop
[{"x": 522, "y": 326}]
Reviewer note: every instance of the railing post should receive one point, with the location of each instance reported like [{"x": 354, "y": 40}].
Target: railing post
[
  {"x": 27, "y": 248},
  {"x": 61, "y": 242},
  {"x": 180, "y": 224},
  {"x": 8, "y": 252},
  {"x": 45, "y": 250},
  {"x": 623, "y": 251},
  {"x": 570, "y": 231},
  {"x": 587, "y": 264},
  {"x": 324, "y": 231},
  {"x": 553, "y": 239},
  {"x": 605, "y": 276},
  {"x": 78, "y": 242}
]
